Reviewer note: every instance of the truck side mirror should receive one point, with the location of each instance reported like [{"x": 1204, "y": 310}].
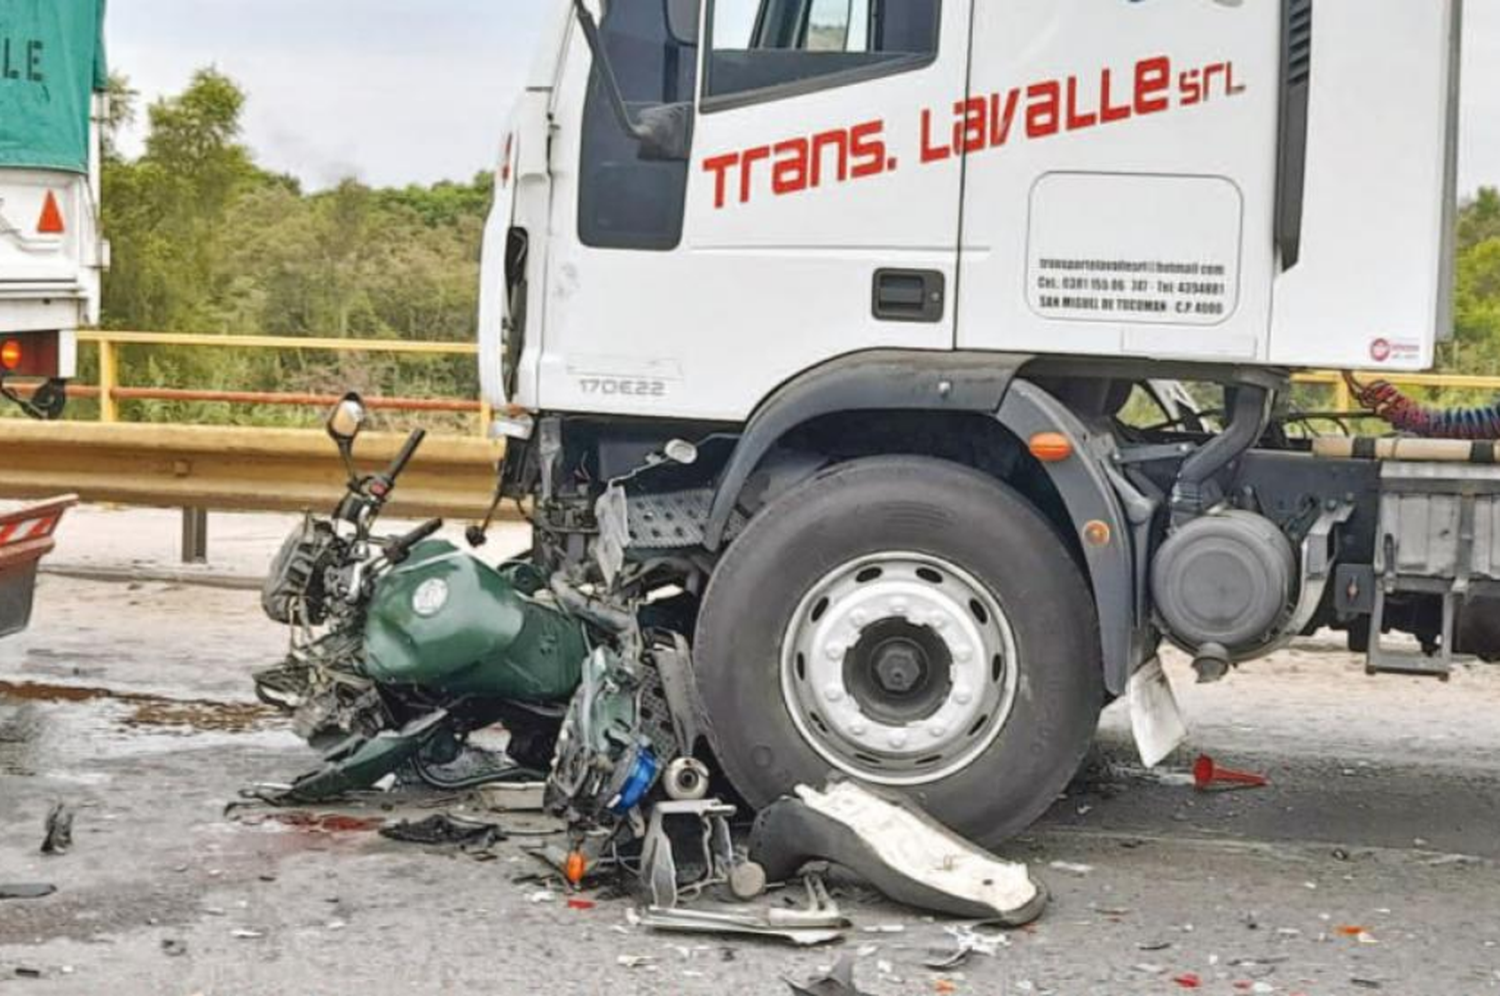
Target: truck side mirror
[
  {"x": 683, "y": 17},
  {"x": 664, "y": 132}
]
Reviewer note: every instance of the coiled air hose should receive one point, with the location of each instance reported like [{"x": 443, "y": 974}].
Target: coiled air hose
[{"x": 1386, "y": 401}]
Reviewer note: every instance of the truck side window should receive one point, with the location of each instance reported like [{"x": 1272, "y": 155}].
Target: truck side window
[
  {"x": 766, "y": 49},
  {"x": 624, "y": 201}
]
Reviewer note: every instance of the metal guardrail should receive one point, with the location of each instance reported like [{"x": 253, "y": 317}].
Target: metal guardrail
[
  {"x": 198, "y": 468},
  {"x": 229, "y": 469}
]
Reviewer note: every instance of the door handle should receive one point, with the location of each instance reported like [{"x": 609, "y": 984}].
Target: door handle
[{"x": 909, "y": 295}]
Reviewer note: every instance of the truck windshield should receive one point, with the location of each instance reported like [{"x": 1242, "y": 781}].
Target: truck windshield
[{"x": 808, "y": 44}]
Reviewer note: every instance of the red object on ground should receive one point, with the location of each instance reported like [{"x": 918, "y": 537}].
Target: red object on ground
[
  {"x": 327, "y": 822},
  {"x": 581, "y": 904},
  {"x": 25, "y": 538},
  {"x": 1189, "y": 980},
  {"x": 1207, "y": 775}
]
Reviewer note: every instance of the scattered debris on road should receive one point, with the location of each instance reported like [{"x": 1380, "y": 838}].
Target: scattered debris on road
[
  {"x": 59, "y": 836},
  {"x": 444, "y": 828},
  {"x": 838, "y": 982},
  {"x": 901, "y": 851},
  {"x": 1209, "y": 776},
  {"x": 26, "y": 890}
]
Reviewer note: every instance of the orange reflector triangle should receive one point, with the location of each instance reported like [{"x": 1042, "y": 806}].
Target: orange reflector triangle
[{"x": 51, "y": 222}]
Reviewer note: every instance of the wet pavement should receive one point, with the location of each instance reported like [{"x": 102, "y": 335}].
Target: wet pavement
[{"x": 1368, "y": 865}]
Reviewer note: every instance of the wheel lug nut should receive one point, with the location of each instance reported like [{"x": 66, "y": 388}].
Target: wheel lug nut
[
  {"x": 833, "y": 693},
  {"x": 859, "y": 617},
  {"x": 963, "y": 696},
  {"x": 937, "y": 730},
  {"x": 897, "y": 739},
  {"x": 963, "y": 655},
  {"x": 834, "y": 651},
  {"x": 899, "y": 606},
  {"x": 858, "y": 729}
]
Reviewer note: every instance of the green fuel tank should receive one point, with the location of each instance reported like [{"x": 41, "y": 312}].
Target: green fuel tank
[{"x": 448, "y": 623}]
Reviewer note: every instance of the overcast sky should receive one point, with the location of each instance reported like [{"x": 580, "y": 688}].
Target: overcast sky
[{"x": 399, "y": 91}]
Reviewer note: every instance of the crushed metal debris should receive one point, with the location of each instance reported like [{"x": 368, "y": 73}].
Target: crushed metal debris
[
  {"x": 59, "y": 829},
  {"x": 445, "y": 829}
]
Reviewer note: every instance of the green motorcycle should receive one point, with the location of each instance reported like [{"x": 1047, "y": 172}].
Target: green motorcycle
[{"x": 403, "y": 647}]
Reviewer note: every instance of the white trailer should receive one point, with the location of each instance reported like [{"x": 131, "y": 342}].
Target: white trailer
[
  {"x": 823, "y": 327},
  {"x": 52, "y": 252}
]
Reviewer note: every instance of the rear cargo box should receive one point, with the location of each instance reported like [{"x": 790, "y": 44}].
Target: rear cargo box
[{"x": 51, "y": 63}]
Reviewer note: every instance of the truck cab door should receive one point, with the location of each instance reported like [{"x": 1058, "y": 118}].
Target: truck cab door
[{"x": 804, "y": 225}]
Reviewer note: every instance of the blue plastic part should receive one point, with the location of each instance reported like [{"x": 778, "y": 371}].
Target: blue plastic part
[{"x": 638, "y": 783}]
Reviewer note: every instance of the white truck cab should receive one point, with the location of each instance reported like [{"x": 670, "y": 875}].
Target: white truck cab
[
  {"x": 52, "y": 253},
  {"x": 831, "y": 316}
]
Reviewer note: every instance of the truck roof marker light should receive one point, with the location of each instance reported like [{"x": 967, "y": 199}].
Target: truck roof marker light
[
  {"x": 1050, "y": 447},
  {"x": 51, "y": 221},
  {"x": 10, "y": 354}
]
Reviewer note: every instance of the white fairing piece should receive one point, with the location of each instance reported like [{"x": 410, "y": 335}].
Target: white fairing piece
[
  {"x": 1085, "y": 177},
  {"x": 936, "y": 858}
]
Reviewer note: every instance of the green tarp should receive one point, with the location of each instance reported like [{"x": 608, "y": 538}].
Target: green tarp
[{"x": 51, "y": 61}]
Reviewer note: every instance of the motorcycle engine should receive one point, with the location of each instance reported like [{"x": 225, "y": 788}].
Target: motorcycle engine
[
  {"x": 614, "y": 743},
  {"x": 294, "y": 591}
]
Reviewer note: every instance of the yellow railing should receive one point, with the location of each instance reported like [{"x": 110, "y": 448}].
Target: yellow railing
[
  {"x": 110, "y": 392},
  {"x": 1344, "y": 400}
]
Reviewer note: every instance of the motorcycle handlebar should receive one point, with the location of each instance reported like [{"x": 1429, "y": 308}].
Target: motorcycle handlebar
[
  {"x": 408, "y": 450},
  {"x": 398, "y": 550}
]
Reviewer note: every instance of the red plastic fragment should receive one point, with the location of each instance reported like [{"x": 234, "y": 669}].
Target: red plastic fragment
[
  {"x": 1207, "y": 775},
  {"x": 1188, "y": 980}
]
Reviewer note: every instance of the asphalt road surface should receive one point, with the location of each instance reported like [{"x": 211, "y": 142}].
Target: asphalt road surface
[{"x": 1368, "y": 865}]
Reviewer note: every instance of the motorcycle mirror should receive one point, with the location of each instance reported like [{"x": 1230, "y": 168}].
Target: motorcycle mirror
[{"x": 346, "y": 420}]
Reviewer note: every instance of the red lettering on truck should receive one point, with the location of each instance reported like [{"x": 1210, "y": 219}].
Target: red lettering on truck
[
  {"x": 1045, "y": 108},
  {"x": 838, "y": 155}
]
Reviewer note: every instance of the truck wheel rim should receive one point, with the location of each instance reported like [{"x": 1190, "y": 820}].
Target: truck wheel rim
[{"x": 899, "y": 668}]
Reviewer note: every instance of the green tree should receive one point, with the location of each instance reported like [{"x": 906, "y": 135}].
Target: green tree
[
  {"x": 204, "y": 240},
  {"x": 165, "y": 212},
  {"x": 1479, "y": 219}
]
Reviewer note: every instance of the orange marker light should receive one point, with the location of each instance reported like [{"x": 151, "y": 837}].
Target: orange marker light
[
  {"x": 10, "y": 354},
  {"x": 1051, "y": 447},
  {"x": 51, "y": 222},
  {"x": 1096, "y": 533}
]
